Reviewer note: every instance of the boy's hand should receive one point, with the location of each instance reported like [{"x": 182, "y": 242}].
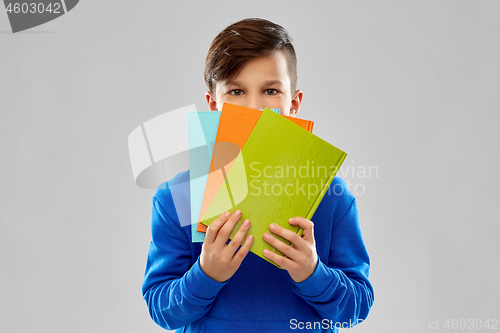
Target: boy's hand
[
  {"x": 218, "y": 259},
  {"x": 300, "y": 260}
]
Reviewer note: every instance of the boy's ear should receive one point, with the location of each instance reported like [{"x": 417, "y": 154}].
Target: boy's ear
[
  {"x": 212, "y": 104},
  {"x": 296, "y": 102}
]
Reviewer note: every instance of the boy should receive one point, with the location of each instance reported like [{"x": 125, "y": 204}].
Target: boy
[{"x": 217, "y": 286}]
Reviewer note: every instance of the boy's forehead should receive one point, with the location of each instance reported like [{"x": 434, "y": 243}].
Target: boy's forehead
[{"x": 270, "y": 69}]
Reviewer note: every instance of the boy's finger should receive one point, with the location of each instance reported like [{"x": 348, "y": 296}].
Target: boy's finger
[
  {"x": 244, "y": 249},
  {"x": 306, "y": 225},
  {"x": 238, "y": 237},
  {"x": 289, "y": 235},
  {"x": 279, "y": 260},
  {"x": 226, "y": 230},
  {"x": 284, "y": 248},
  {"x": 214, "y": 227}
]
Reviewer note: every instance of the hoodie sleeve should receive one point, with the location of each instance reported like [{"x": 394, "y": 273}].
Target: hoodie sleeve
[
  {"x": 339, "y": 289},
  {"x": 176, "y": 290}
]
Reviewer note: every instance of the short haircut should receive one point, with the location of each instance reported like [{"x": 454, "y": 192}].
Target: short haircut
[{"x": 244, "y": 41}]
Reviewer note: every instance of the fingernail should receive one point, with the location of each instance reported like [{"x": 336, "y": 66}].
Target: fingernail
[
  {"x": 290, "y": 219},
  {"x": 226, "y": 214},
  {"x": 238, "y": 212},
  {"x": 266, "y": 252},
  {"x": 272, "y": 227},
  {"x": 246, "y": 223}
]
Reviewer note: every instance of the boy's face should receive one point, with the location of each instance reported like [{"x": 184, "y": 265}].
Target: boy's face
[{"x": 263, "y": 82}]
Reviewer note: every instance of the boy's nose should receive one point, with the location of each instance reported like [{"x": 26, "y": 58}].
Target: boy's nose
[{"x": 254, "y": 102}]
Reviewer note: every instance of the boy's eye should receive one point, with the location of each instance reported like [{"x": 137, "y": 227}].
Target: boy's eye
[
  {"x": 236, "y": 92},
  {"x": 271, "y": 92}
]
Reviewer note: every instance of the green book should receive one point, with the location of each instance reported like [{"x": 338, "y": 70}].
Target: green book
[{"x": 282, "y": 171}]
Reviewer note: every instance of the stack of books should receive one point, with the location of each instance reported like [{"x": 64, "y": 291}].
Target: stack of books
[{"x": 269, "y": 166}]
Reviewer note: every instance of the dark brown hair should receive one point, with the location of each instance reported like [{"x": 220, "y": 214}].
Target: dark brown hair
[{"x": 244, "y": 41}]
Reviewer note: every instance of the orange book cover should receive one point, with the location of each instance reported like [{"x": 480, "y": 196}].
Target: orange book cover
[{"x": 235, "y": 125}]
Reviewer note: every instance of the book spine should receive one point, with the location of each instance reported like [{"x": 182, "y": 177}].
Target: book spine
[{"x": 316, "y": 203}]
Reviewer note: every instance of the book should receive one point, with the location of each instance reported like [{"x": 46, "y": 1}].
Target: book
[
  {"x": 282, "y": 171},
  {"x": 202, "y": 129},
  {"x": 235, "y": 125}
]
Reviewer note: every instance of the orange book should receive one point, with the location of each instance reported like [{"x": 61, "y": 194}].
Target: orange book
[{"x": 235, "y": 125}]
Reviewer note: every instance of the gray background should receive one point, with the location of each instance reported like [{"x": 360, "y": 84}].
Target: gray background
[{"x": 408, "y": 87}]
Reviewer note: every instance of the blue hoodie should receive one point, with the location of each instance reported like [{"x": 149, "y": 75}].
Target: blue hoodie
[{"x": 259, "y": 297}]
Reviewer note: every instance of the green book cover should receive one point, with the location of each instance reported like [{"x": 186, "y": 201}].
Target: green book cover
[{"x": 282, "y": 171}]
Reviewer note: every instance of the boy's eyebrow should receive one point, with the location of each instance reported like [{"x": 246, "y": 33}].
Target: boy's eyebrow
[
  {"x": 271, "y": 82},
  {"x": 267, "y": 83},
  {"x": 235, "y": 83}
]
